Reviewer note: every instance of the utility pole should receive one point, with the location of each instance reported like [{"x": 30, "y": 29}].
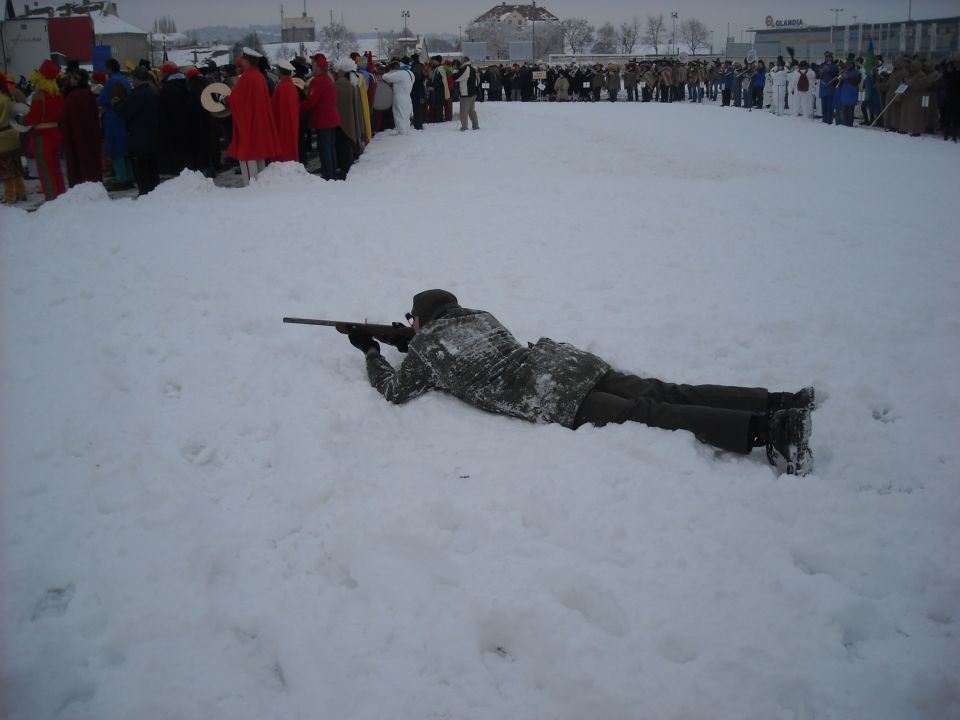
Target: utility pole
[
  {"x": 909, "y": 10},
  {"x": 674, "y": 16},
  {"x": 833, "y": 30}
]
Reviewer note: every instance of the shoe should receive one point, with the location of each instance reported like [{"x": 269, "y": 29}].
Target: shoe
[
  {"x": 805, "y": 398},
  {"x": 788, "y": 445}
]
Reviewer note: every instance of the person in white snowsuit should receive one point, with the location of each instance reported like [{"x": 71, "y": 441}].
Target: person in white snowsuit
[
  {"x": 802, "y": 90},
  {"x": 400, "y": 79},
  {"x": 777, "y": 79}
]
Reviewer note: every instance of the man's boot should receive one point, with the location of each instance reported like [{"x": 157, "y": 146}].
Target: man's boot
[{"x": 788, "y": 441}]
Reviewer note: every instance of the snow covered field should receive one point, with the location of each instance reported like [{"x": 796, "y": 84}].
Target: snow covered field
[{"x": 209, "y": 514}]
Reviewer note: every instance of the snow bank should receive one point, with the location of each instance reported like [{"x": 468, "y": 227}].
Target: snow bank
[{"x": 206, "y": 513}]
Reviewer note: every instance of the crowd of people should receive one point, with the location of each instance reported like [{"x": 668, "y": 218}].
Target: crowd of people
[{"x": 129, "y": 128}]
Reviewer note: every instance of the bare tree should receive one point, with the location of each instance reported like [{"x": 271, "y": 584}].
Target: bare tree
[
  {"x": 578, "y": 33},
  {"x": 694, "y": 33},
  {"x": 606, "y": 43},
  {"x": 165, "y": 25},
  {"x": 654, "y": 32},
  {"x": 628, "y": 35},
  {"x": 337, "y": 40}
]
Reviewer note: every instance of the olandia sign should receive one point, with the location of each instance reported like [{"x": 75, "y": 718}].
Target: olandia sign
[{"x": 794, "y": 22}]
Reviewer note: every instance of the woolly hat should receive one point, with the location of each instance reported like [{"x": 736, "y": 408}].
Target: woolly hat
[
  {"x": 320, "y": 59},
  {"x": 192, "y": 72},
  {"x": 49, "y": 69},
  {"x": 430, "y": 304},
  {"x": 345, "y": 65},
  {"x": 169, "y": 68}
]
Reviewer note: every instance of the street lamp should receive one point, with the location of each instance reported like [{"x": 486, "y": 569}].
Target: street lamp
[
  {"x": 379, "y": 44},
  {"x": 833, "y": 31},
  {"x": 460, "y": 30},
  {"x": 674, "y": 16},
  {"x": 405, "y": 14},
  {"x": 533, "y": 29}
]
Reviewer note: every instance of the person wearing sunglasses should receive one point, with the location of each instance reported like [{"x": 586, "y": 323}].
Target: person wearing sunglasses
[{"x": 471, "y": 355}]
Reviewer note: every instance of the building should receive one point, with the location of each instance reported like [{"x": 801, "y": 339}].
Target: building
[
  {"x": 297, "y": 29},
  {"x": 935, "y": 39},
  {"x": 517, "y": 17},
  {"x": 68, "y": 32}
]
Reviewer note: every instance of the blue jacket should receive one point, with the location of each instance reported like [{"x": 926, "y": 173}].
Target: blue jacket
[
  {"x": 827, "y": 72},
  {"x": 850, "y": 91},
  {"x": 114, "y": 129},
  {"x": 726, "y": 80},
  {"x": 759, "y": 78}
]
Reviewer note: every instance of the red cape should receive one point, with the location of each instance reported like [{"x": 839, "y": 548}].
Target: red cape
[
  {"x": 286, "y": 116},
  {"x": 254, "y": 134}
]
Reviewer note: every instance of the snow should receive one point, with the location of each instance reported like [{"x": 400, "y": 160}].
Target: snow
[
  {"x": 208, "y": 513},
  {"x": 112, "y": 25}
]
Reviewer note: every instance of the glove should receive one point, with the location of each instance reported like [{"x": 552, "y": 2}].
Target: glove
[
  {"x": 362, "y": 341},
  {"x": 401, "y": 344}
]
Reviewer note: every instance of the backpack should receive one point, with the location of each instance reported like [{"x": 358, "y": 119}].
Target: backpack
[{"x": 803, "y": 84}]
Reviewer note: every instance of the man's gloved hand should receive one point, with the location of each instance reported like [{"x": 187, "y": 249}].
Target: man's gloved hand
[
  {"x": 401, "y": 344},
  {"x": 362, "y": 341}
]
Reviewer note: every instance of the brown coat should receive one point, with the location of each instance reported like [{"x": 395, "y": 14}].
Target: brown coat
[{"x": 913, "y": 116}]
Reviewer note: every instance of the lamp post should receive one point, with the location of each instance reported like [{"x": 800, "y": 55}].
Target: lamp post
[
  {"x": 533, "y": 29},
  {"x": 405, "y": 14},
  {"x": 674, "y": 16},
  {"x": 460, "y": 30},
  {"x": 833, "y": 31},
  {"x": 379, "y": 44}
]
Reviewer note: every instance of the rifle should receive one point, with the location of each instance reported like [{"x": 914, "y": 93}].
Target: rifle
[{"x": 396, "y": 333}]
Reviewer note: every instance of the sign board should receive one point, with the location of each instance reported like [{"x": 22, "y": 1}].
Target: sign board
[
  {"x": 901, "y": 90},
  {"x": 26, "y": 44},
  {"x": 476, "y": 51},
  {"x": 521, "y": 50},
  {"x": 770, "y": 22},
  {"x": 540, "y": 75}
]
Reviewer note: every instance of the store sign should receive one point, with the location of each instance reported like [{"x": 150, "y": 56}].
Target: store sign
[{"x": 793, "y": 22}]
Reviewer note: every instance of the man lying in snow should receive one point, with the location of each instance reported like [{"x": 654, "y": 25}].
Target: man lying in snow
[{"x": 470, "y": 355}]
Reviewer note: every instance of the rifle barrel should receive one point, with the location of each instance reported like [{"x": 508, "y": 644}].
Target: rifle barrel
[{"x": 307, "y": 321}]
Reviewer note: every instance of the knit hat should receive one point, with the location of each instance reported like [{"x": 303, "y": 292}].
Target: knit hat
[
  {"x": 49, "y": 69},
  {"x": 430, "y": 304},
  {"x": 141, "y": 74},
  {"x": 320, "y": 59},
  {"x": 169, "y": 68}
]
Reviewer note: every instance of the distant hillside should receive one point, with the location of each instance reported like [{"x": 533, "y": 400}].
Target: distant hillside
[{"x": 226, "y": 34}]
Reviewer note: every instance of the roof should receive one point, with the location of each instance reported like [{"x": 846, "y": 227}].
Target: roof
[
  {"x": 529, "y": 12},
  {"x": 112, "y": 25}
]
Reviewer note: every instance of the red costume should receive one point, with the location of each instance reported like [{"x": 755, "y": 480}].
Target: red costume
[
  {"x": 286, "y": 116},
  {"x": 321, "y": 103},
  {"x": 254, "y": 134},
  {"x": 81, "y": 137},
  {"x": 46, "y": 112}
]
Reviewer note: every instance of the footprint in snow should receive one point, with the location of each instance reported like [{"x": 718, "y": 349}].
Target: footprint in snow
[{"x": 54, "y": 603}]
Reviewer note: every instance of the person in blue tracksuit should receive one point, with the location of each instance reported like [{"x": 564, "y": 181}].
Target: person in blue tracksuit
[
  {"x": 757, "y": 82},
  {"x": 827, "y": 73},
  {"x": 849, "y": 91}
]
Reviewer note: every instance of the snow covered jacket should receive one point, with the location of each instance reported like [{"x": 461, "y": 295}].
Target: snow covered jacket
[{"x": 470, "y": 355}]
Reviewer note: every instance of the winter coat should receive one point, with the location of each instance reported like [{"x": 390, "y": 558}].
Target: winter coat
[
  {"x": 612, "y": 81},
  {"x": 401, "y": 81},
  {"x": 826, "y": 74},
  {"x": 254, "y": 133},
  {"x": 81, "y": 137},
  {"x": 321, "y": 103},
  {"x": 176, "y": 125},
  {"x": 351, "y": 121},
  {"x": 140, "y": 111},
  {"x": 114, "y": 131},
  {"x": 913, "y": 116},
  {"x": 9, "y": 138},
  {"x": 466, "y": 78},
  {"x": 46, "y": 113},
  {"x": 563, "y": 89},
  {"x": 285, "y": 105},
  {"x": 850, "y": 87},
  {"x": 470, "y": 355}
]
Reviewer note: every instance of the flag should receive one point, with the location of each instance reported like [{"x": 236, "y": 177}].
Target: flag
[{"x": 868, "y": 65}]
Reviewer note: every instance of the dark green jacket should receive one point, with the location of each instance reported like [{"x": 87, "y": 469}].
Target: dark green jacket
[{"x": 470, "y": 355}]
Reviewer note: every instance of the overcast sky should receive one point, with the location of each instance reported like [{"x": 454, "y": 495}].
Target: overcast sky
[{"x": 432, "y": 16}]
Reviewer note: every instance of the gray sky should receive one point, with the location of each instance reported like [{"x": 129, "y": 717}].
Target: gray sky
[{"x": 430, "y": 16}]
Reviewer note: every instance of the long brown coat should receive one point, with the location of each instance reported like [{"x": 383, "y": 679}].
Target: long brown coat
[{"x": 913, "y": 116}]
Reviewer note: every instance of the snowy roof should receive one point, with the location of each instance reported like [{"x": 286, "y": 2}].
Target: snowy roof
[
  {"x": 113, "y": 25},
  {"x": 529, "y": 12}
]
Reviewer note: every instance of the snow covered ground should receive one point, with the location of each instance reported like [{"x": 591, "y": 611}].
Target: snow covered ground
[{"x": 209, "y": 514}]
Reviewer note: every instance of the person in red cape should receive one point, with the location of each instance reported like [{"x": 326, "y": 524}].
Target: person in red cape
[
  {"x": 254, "y": 133},
  {"x": 46, "y": 112},
  {"x": 286, "y": 114},
  {"x": 81, "y": 132},
  {"x": 323, "y": 115}
]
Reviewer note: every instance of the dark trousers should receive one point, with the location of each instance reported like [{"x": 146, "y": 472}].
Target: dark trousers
[
  {"x": 417, "y": 113},
  {"x": 344, "y": 154},
  {"x": 327, "y": 148},
  {"x": 145, "y": 172},
  {"x": 718, "y": 415},
  {"x": 846, "y": 115},
  {"x": 757, "y": 97},
  {"x": 725, "y": 102},
  {"x": 826, "y": 107}
]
